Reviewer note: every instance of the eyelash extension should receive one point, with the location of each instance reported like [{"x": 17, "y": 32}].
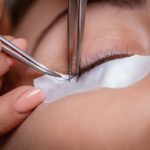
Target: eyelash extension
[{"x": 101, "y": 60}]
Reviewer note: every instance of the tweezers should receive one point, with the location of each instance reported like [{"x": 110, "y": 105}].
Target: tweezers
[
  {"x": 15, "y": 52},
  {"x": 76, "y": 22}
]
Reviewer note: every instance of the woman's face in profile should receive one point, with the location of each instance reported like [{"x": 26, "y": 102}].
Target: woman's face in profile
[{"x": 111, "y": 28}]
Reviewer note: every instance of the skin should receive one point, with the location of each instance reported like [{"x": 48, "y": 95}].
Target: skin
[
  {"x": 15, "y": 102},
  {"x": 109, "y": 119}
]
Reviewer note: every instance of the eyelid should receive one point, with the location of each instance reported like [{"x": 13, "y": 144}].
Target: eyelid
[
  {"x": 99, "y": 60},
  {"x": 123, "y": 3}
]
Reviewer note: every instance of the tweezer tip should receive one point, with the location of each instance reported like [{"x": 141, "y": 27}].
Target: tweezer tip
[{"x": 56, "y": 75}]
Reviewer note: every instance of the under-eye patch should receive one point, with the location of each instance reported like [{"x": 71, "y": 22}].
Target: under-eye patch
[{"x": 113, "y": 74}]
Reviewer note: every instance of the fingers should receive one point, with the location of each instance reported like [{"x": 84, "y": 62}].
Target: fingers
[
  {"x": 4, "y": 64},
  {"x": 19, "y": 42},
  {"x": 5, "y": 60},
  {"x": 16, "y": 105}
]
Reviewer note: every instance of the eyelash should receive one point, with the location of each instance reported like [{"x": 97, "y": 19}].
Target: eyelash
[{"x": 105, "y": 57}]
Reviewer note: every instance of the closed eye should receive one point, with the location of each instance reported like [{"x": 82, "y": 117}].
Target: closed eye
[{"x": 109, "y": 56}]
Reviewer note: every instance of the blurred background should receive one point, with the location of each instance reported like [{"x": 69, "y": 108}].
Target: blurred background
[{"x": 17, "y": 8}]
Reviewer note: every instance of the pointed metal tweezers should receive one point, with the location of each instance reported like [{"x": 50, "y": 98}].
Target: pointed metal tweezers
[
  {"x": 76, "y": 22},
  {"x": 14, "y": 51}
]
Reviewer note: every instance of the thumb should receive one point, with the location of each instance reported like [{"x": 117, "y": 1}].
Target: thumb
[{"x": 16, "y": 105}]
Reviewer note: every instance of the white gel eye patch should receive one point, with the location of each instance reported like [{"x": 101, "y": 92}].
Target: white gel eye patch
[{"x": 113, "y": 74}]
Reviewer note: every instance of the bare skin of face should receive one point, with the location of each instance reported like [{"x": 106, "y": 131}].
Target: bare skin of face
[{"x": 110, "y": 119}]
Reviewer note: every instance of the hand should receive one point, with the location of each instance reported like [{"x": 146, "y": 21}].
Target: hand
[{"x": 16, "y": 105}]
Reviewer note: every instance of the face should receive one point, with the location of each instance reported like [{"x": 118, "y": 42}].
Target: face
[{"x": 110, "y": 29}]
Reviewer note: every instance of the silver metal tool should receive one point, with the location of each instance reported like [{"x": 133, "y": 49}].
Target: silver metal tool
[
  {"x": 76, "y": 22},
  {"x": 14, "y": 51}
]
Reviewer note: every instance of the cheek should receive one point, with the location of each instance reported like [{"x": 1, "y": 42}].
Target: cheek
[{"x": 53, "y": 49}]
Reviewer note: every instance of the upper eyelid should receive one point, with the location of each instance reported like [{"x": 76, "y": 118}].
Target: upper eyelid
[
  {"x": 102, "y": 60},
  {"x": 131, "y": 3},
  {"x": 48, "y": 28}
]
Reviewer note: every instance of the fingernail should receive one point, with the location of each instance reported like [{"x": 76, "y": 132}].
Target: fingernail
[{"x": 29, "y": 100}]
